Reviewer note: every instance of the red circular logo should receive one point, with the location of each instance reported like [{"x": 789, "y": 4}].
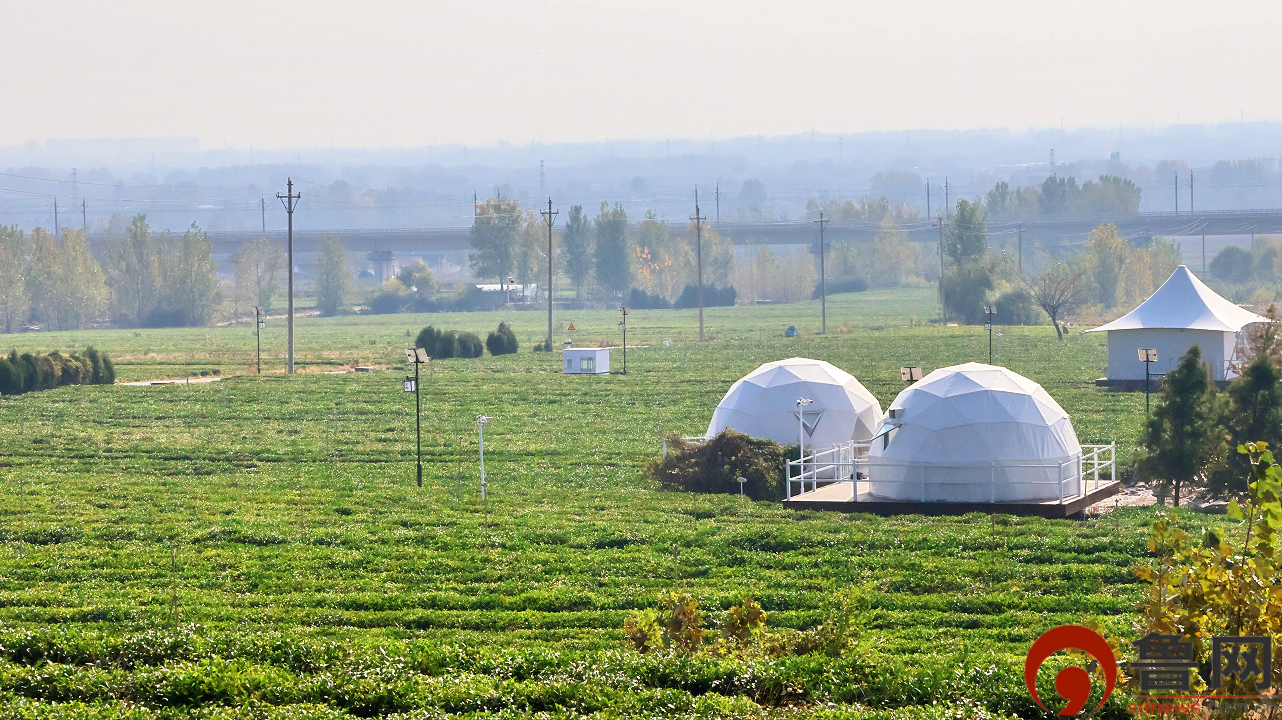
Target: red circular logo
[{"x": 1072, "y": 683}]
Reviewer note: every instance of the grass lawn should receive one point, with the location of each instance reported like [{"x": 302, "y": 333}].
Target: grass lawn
[{"x": 257, "y": 547}]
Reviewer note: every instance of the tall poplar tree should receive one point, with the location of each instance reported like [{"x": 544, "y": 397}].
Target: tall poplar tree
[
  {"x": 613, "y": 251},
  {"x": 576, "y": 246}
]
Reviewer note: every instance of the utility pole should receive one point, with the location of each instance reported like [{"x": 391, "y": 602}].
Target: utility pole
[
  {"x": 948, "y": 208},
  {"x": 550, "y": 217},
  {"x": 1190, "y": 191},
  {"x": 290, "y": 201},
  {"x": 927, "y": 197},
  {"x": 1177, "y": 194},
  {"x": 698, "y": 251},
  {"x": 1020, "y": 225},
  {"x": 55, "y": 217},
  {"x": 718, "y": 196},
  {"x": 262, "y": 205},
  {"x": 823, "y": 290},
  {"x": 943, "y": 315},
  {"x": 84, "y": 217}
]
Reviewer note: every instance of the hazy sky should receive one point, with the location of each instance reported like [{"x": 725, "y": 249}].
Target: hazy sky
[{"x": 379, "y": 74}]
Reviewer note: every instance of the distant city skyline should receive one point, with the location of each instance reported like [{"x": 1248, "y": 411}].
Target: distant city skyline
[{"x": 401, "y": 74}]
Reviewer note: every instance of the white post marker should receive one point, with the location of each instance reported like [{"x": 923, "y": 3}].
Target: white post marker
[
  {"x": 481, "y": 420},
  {"x": 741, "y": 481}
]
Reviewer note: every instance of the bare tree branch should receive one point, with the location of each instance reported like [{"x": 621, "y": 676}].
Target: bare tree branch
[{"x": 1057, "y": 289}]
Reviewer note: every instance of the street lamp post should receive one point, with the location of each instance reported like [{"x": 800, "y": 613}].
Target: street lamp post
[
  {"x": 802, "y": 403},
  {"x": 260, "y": 320},
  {"x": 1147, "y": 356},
  {"x": 481, "y": 420},
  {"x": 417, "y": 356},
  {"x": 990, "y": 311},
  {"x": 623, "y": 325}
]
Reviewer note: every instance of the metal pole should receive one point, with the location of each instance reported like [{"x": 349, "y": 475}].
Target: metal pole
[
  {"x": 823, "y": 288},
  {"x": 698, "y": 246},
  {"x": 1146, "y": 386},
  {"x": 418, "y": 424},
  {"x": 288, "y": 199},
  {"x": 943, "y": 314},
  {"x": 1021, "y": 248},
  {"x": 481, "y": 429},
  {"x": 258, "y": 330},
  {"x": 624, "y": 309},
  {"x": 551, "y": 217}
]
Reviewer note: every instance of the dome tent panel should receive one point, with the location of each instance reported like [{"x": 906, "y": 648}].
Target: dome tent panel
[
  {"x": 763, "y": 404},
  {"x": 976, "y": 433}
]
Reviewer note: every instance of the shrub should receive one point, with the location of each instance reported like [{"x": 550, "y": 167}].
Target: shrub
[
  {"x": 469, "y": 345},
  {"x": 639, "y": 299},
  {"x": 439, "y": 344},
  {"x": 543, "y": 346},
  {"x": 501, "y": 341},
  {"x": 714, "y": 466},
  {"x": 1017, "y": 307},
  {"x": 712, "y": 297},
  {"x": 842, "y": 286},
  {"x": 28, "y": 373}
]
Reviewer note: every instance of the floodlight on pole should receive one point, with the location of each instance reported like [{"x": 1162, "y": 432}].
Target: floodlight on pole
[
  {"x": 417, "y": 357},
  {"x": 481, "y": 421},
  {"x": 990, "y": 311},
  {"x": 1147, "y": 356}
]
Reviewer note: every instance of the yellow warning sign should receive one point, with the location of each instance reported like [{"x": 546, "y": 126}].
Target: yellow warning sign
[{"x": 571, "y": 327}]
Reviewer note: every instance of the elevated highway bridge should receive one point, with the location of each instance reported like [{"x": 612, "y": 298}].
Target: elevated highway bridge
[{"x": 1050, "y": 234}]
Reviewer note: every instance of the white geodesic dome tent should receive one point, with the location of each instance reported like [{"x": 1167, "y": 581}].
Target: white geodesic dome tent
[
  {"x": 763, "y": 404},
  {"x": 975, "y": 433}
]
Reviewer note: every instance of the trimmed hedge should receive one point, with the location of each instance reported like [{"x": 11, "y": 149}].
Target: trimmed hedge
[
  {"x": 28, "y": 373},
  {"x": 442, "y": 344},
  {"x": 642, "y": 300},
  {"x": 501, "y": 341},
  {"x": 713, "y": 296}
]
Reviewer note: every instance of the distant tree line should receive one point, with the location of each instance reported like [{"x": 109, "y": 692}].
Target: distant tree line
[
  {"x": 141, "y": 281},
  {"x": 1056, "y": 196},
  {"x": 1106, "y": 274}
]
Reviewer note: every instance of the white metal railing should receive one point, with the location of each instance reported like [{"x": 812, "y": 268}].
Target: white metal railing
[
  {"x": 838, "y": 463},
  {"x": 1070, "y": 479}
]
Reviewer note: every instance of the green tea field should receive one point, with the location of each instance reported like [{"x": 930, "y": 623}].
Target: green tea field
[{"x": 257, "y": 547}]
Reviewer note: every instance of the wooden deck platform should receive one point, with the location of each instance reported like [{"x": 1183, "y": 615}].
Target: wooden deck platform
[{"x": 841, "y": 497}]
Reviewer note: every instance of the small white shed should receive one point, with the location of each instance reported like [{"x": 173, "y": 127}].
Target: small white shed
[
  {"x": 586, "y": 361},
  {"x": 1182, "y": 313}
]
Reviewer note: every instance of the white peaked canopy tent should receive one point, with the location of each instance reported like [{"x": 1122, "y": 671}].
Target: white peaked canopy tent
[
  {"x": 1182, "y": 313},
  {"x": 975, "y": 433},
  {"x": 763, "y": 404}
]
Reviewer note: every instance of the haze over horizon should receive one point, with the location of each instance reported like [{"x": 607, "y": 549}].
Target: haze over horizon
[{"x": 290, "y": 75}]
